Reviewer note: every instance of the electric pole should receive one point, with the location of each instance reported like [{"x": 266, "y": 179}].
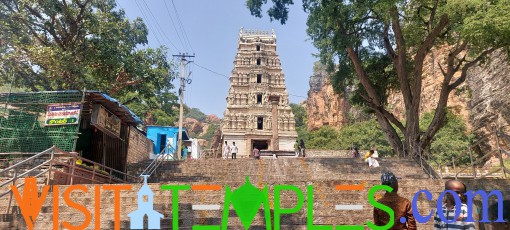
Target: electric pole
[{"x": 181, "y": 97}]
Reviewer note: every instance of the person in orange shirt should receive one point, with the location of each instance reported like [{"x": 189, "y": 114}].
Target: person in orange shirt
[{"x": 404, "y": 218}]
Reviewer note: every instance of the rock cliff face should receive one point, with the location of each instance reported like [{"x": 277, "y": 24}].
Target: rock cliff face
[
  {"x": 432, "y": 78},
  {"x": 204, "y": 131},
  {"x": 490, "y": 99},
  {"x": 483, "y": 101},
  {"x": 323, "y": 105}
]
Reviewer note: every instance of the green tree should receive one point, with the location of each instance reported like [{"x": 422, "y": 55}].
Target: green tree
[
  {"x": 59, "y": 45},
  {"x": 301, "y": 118},
  {"x": 364, "y": 135},
  {"x": 451, "y": 141},
  {"x": 195, "y": 113},
  {"x": 360, "y": 33},
  {"x": 300, "y": 114},
  {"x": 323, "y": 138}
]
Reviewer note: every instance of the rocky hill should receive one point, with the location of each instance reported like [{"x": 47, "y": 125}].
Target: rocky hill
[
  {"x": 203, "y": 127},
  {"x": 482, "y": 101},
  {"x": 324, "y": 106}
]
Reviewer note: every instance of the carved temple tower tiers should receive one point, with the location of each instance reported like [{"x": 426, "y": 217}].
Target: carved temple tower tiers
[{"x": 256, "y": 82}]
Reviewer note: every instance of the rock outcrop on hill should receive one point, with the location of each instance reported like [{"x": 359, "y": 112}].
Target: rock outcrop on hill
[
  {"x": 490, "y": 99},
  {"x": 323, "y": 105},
  {"x": 458, "y": 100},
  {"x": 203, "y": 127},
  {"x": 483, "y": 101}
]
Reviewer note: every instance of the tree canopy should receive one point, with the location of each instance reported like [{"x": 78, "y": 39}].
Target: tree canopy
[
  {"x": 85, "y": 44},
  {"x": 382, "y": 44}
]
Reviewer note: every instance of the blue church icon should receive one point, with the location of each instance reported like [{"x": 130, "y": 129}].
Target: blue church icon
[{"x": 145, "y": 207}]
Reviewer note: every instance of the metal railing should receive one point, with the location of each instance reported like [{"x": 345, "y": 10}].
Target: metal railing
[
  {"x": 169, "y": 152},
  {"x": 63, "y": 165},
  {"x": 470, "y": 170},
  {"x": 426, "y": 167}
]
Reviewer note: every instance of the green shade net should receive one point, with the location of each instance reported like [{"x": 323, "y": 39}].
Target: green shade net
[{"x": 22, "y": 117}]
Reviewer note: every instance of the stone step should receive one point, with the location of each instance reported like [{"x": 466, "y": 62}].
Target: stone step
[
  {"x": 288, "y": 169},
  {"x": 323, "y": 173},
  {"x": 189, "y": 218}
]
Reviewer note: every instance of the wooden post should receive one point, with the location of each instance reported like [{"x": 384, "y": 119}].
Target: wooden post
[
  {"x": 500, "y": 154},
  {"x": 13, "y": 184},
  {"x": 51, "y": 165},
  {"x": 471, "y": 159},
  {"x": 454, "y": 171},
  {"x": 79, "y": 120},
  {"x": 73, "y": 165}
]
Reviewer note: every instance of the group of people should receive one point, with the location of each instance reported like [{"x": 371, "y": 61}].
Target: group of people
[
  {"x": 299, "y": 148},
  {"x": 232, "y": 150},
  {"x": 402, "y": 208},
  {"x": 369, "y": 158}
]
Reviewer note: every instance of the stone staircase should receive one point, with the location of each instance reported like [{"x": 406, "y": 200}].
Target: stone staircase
[
  {"x": 323, "y": 173},
  {"x": 283, "y": 170}
]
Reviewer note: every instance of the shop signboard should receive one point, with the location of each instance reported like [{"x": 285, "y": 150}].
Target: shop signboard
[
  {"x": 105, "y": 121},
  {"x": 62, "y": 114}
]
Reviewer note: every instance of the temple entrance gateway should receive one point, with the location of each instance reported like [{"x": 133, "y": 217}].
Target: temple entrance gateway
[
  {"x": 260, "y": 144},
  {"x": 258, "y": 111}
]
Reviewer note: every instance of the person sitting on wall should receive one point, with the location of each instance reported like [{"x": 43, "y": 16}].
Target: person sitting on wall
[
  {"x": 355, "y": 152},
  {"x": 372, "y": 162}
]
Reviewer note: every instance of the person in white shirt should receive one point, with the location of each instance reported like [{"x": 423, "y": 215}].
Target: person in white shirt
[
  {"x": 373, "y": 160},
  {"x": 226, "y": 151},
  {"x": 233, "y": 150}
]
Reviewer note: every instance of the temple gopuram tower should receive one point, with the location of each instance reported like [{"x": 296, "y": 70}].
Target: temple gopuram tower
[{"x": 258, "y": 112}]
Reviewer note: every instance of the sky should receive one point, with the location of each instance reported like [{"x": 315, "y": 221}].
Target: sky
[{"x": 209, "y": 30}]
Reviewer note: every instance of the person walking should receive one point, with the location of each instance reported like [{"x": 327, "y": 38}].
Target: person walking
[
  {"x": 185, "y": 153},
  {"x": 302, "y": 147},
  {"x": 297, "y": 149},
  {"x": 226, "y": 150},
  {"x": 400, "y": 206},
  {"x": 233, "y": 150},
  {"x": 449, "y": 208},
  {"x": 256, "y": 153}
]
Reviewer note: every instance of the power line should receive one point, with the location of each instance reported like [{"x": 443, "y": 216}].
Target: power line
[
  {"x": 297, "y": 95},
  {"x": 158, "y": 27},
  {"x": 182, "y": 28},
  {"x": 212, "y": 71},
  {"x": 225, "y": 76},
  {"x": 173, "y": 24},
  {"x": 148, "y": 22}
]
